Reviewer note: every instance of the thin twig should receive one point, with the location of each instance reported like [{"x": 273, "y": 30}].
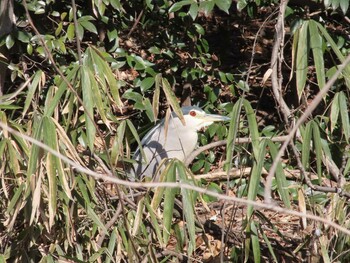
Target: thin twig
[
  {"x": 206, "y": 147},
  {"x": 74, "y": 7},
  {"x": 276, "y": 62}
]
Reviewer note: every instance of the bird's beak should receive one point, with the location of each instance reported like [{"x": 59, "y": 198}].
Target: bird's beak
[{"x": 215, "y": 117}]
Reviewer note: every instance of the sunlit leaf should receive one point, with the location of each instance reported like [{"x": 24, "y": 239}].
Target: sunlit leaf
[{"x": 302, "y": 58}]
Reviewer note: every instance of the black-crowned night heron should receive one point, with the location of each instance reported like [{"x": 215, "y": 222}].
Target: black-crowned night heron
[{"x": 178, "y": 141}]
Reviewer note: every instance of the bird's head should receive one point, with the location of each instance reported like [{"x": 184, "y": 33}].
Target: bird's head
[{"x": 197, "y": 118}]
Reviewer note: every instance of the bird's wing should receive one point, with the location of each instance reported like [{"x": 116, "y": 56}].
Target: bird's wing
[{"x": 152, "y": 135}]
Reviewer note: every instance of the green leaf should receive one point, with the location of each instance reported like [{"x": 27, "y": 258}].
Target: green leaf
[
  {"x": 344, "y": 115},
  {"x": 71, "y": 32},
  {"x": 336, "y": 50},
  {"x": 169, "y": 200},
  {"x": 188, "y": 201},
  {"x": 193, "y": 10},
  {"x": 253, "y": 127},
  {"x": 89, "y": 26},
  {"x": 317, "y": 147},
  {"x": 50, "y": 139},
  {"x": 223, "y": 5},
  {"x": 9, "y": 41},
  {"x": 207, "y": 6},
  {"x": 88, "y": 98},
  {"x": 35, "y": 84},
  {"x": 282, "y": 184},
  {"x": 344, "y": 5},
  {"x": 255, "y": 242},
  {"x": 232, "y": 133},
  {"x": 241, "y": 4},
  {"x": 147, "y": 83},
  {"x": 305, "y": 154},
  {"x": 172, "y": 99},
  {"x": 178, "y": 5},
  {"x": 316, "y": 47},
  {"x": 335, "y": 109},
  {"x": 302, "y": 58},
  {"x": 254, "y": 179}
]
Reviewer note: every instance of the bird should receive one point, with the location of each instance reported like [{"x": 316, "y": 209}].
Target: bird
[{"x": 177, "y": 140}]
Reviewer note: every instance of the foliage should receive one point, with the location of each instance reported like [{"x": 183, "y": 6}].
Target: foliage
[{"x": 90, "y": 86}]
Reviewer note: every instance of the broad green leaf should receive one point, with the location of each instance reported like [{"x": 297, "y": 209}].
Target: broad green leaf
[
  {"x": 316, "y": 47},
  {"x": 302, "y": 58},
  {"x": 147, "y": 83},
  {"x": 207, "y": 6},
  {"x": 223, "y": 5},
  {"x": 9, "y": 41},
  {"x": 89, "y": 26},
  {"x": 71, "y": 32},
  {"x": 178, "y": 5},
  {"x": 193, "y": 10},
  {"x": 344, "y": 5},
  {"x": 241, "y": 4}
]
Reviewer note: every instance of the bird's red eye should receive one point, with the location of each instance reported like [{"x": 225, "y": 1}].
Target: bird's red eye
[{"x": 193, "y": 113}]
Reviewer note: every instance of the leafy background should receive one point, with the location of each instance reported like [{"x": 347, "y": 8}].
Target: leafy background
[{"x": 89, "y": 78}]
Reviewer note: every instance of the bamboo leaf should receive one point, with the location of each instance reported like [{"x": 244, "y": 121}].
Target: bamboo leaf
[
  {"x": 344, "y": 115},
  {"x": 334, "y": 112},
  {"x": 172, "y": 100},
  {"x": 232, "y": 133},
  {"x": 188, "y": 201},
  {"x": 255, "y": 176},
  {"x": 253, "y": 127},
  {"x": 255, "y": 242},
  {"x": 282, "y": 184},
  {"x": 316, "y": 47},
  {"x": 305, "y": 154},
  {"x": 169, "y": 200},
  {"x": 317, "y": 147},
  {"x": 302, "y": 59},
  {"x": 86, "y": 77}
]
